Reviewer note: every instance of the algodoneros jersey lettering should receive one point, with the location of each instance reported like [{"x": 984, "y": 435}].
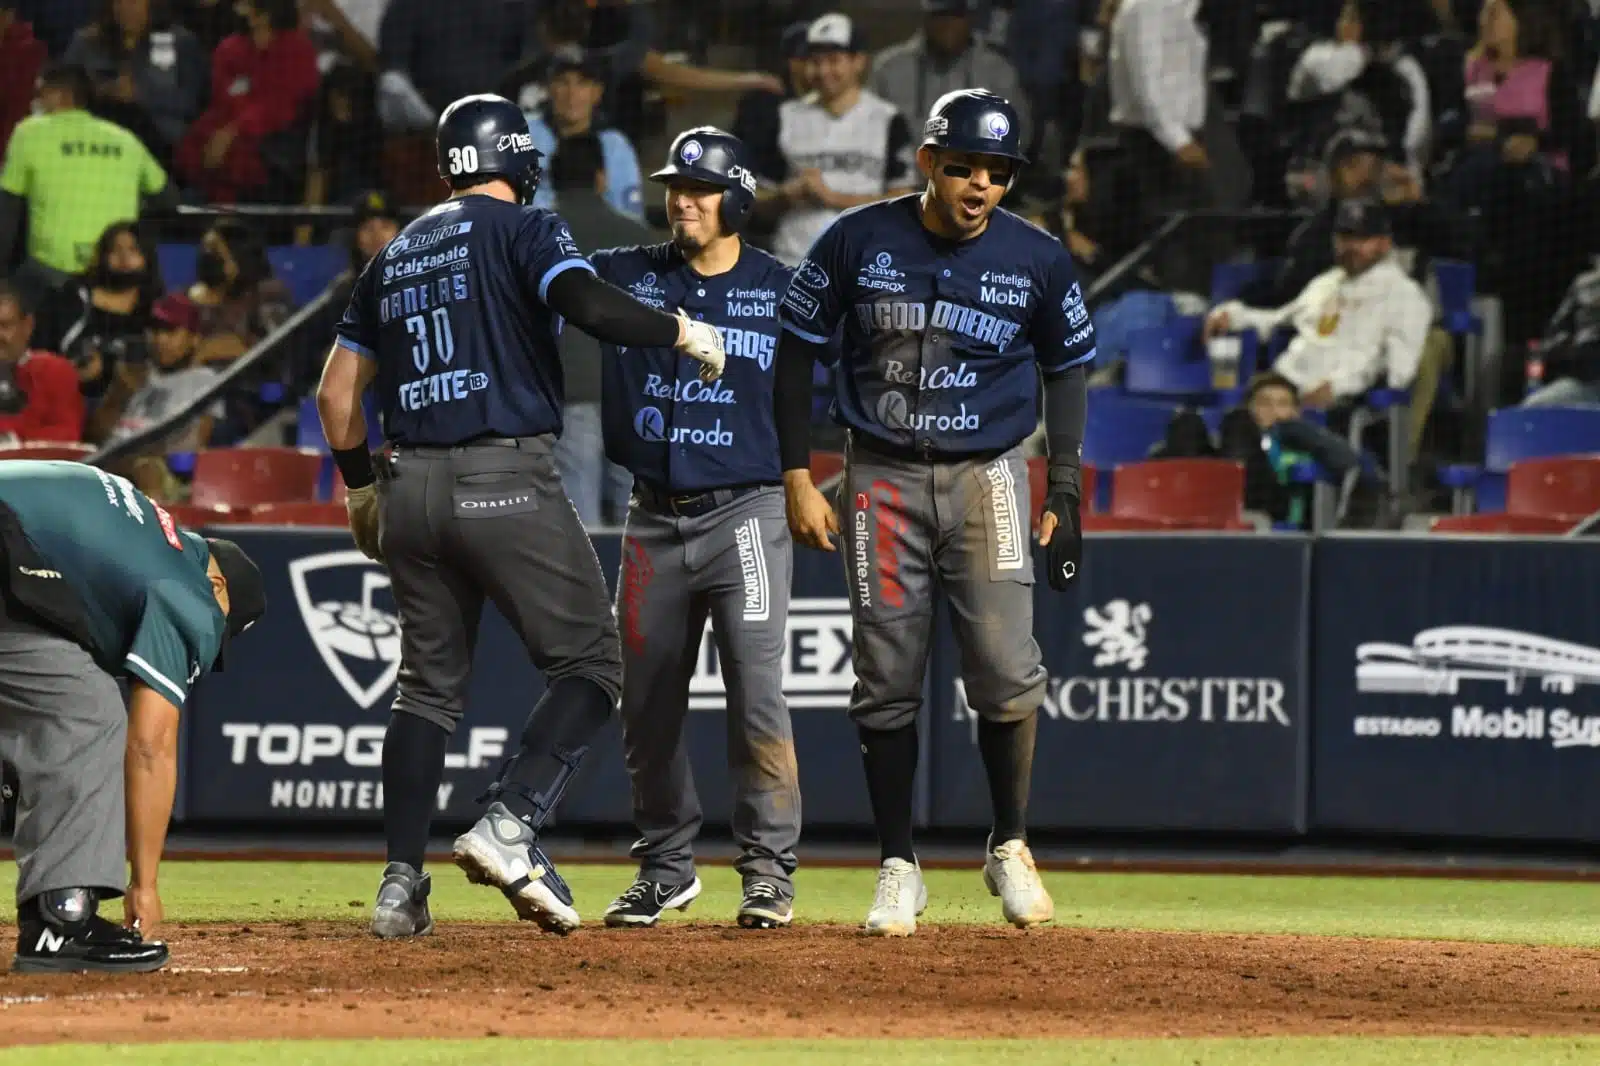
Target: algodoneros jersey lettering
[
  {"x": 453, "y": 312},
  {"x": 943, "y": 341},
  {"x": 662, "y": 422}
]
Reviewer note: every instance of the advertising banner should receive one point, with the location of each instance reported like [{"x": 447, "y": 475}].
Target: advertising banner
[
  {"x": 1176, "y": 697},
  {"x": 293, "y": 730},
  {"x": 1458, "y": 687}
]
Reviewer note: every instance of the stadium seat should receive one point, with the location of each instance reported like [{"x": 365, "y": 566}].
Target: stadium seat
[
  {"x": 1502, "y": 522},
  {"x": 1458, "y": 284},
  {"x": 1559, "y": 487},
  {"x": 1229, "y": 281},
  {"x": 48, "y": 450},
  {"x": 826, "y": 465},
  {"x": 301, "y": 513},
  {"x": 245, "y": 477},
  {"x": 1518, "y": 433},
  {"x": 305, "y": 269},
  {"x": 1169, "y": 360},
  {"x": 1111, "y": 523},
  {"x": 187, "y": 514},
  {"x": 1206, "y": 493},
  {"x": 1121, "y": 429},
  {"x": 1039, "y": 487}
]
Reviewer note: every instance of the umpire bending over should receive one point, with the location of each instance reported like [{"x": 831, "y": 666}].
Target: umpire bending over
[
  {"x": 99, "y": 585},
  {"x": 456, "y": 321},
  {"x": 951, "y": 310},
  {"x": 706, "y": 534}
]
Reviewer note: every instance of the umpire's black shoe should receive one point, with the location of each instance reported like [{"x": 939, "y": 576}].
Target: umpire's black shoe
[
  {"x": 59, "y": 932},
  {"x": 643, "y": 902},
  {"x": 765, "y": 906}
]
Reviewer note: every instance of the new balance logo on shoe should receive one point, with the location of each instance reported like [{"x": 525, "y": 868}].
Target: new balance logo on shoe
[{"x": 49, "y": 942}]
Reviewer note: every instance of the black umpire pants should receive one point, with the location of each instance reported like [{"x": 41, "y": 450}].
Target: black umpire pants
[{"x": 489, "y": 520}]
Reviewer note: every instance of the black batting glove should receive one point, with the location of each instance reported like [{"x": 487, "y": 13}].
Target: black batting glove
[{"x": 1065, "y": 550}]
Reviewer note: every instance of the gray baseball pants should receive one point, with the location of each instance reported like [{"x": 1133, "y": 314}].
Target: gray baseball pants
[
  {"x": 963, "y": 525},
  {"x": 64, "y": 729},
  {"x": 489, "y": 521},
  {"x": 734, "y": 566}
]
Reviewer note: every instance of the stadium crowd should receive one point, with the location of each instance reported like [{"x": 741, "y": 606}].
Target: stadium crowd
[{"x": 1329, "y": 155}]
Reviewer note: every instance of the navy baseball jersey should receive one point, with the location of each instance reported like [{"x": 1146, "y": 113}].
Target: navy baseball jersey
[
  {"x": 942, "y": 340},
  {"x": 661, "y": 421},
  {"x": 453, "y": 312}
]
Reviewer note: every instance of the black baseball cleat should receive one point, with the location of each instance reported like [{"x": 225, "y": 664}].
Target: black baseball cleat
[
  {"x": 764, "y": 906},
  {"x": 642, "y": 904},
  {"x": 402, "y": 907},
  {"x": 59, "y": 932}
]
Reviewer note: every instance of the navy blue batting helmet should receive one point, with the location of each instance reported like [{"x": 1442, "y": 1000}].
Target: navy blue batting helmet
[
  {"x": 708, "y": 154},
  {"x": 974, "y": 120},
  {"x": 486, "y": 136}
]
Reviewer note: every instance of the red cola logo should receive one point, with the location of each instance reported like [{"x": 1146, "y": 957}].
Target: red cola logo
[
  {"x": 891, "y": 529},
  {"x": 637, "y": 571}
]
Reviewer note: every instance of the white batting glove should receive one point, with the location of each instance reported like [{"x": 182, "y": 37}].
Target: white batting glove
[{"x": 702, "y": 342}]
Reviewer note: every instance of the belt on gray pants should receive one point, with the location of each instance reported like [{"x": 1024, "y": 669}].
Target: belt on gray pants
[
  {"x": 689, "y": 505},
  {"x": 446, "y": 451}
]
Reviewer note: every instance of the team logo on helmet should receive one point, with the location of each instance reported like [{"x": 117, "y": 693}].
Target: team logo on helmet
[
  {"x": 937, "y": 126},
  {"x": 691, "y": 152},
  {"x": 999, "y": 126}
]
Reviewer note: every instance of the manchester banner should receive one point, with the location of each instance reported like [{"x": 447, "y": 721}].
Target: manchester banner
[
  {"x": 1458, "y": 687},
  {"x": 1176, "y": 697}
]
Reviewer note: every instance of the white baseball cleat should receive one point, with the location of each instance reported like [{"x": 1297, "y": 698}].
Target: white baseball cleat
[
  {"x": 901, "y": 896},
  {"x": 1009, "y": 873},
  {"x": 502, "y": 850}
]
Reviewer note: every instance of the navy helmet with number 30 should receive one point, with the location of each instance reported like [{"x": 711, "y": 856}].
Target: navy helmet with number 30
[
  {"x": 716, "y": 157},
  {"x": 486, "y": 136},
  {"x": 974, "y": 120}
]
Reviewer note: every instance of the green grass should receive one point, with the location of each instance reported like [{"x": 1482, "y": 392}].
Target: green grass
[
  {"x": 1286, "y": 1052},
  {"x": 1424, "y": 908}
]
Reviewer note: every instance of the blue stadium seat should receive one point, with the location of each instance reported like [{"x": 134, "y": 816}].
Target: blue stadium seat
[
  {"x": 1230, "y": 280},
  {"x": 308, "y": 430},
  {"x": 305, "y": 269},
  {"x": 1121, "y": 429},
  {"x": 1168, "y": 360},
  {"x": 1458, "y": 284},
  {"x": 1522, "y": 433}
]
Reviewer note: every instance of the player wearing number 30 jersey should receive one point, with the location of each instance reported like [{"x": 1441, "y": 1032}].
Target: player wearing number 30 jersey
[{"x": 950, "y": 311}]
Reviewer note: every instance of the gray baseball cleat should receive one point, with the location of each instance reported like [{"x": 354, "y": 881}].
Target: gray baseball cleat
[
  {"x": 502, "y": 850},
  {"x": 901, "y": 896},
  {"x": 402, "y": 907}
]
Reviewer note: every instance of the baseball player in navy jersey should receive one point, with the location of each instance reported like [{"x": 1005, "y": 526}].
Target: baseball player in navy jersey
[
  {"x": 706, "y": 537},
  {"x": 456, "y": 322},
  {"x": 951, "y": 310}
]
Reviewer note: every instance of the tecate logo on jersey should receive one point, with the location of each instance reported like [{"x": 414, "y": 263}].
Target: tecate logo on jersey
[
  {"x": 881, "y": 275},
  {"x": 691, "y": 391},
  {"x": 929, "y": 380},
  {"x": 445, "y": 387},
  {"x": 817, "y": 673},
  {"x": 651, "y": 425},
  {"x": 424, "y": 264}
]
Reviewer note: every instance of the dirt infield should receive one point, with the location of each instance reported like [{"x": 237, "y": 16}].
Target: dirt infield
[{"x": 318, "y": 979}]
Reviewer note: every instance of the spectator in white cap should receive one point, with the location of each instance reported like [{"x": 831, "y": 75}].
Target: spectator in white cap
[{"x": 839, "y": 146}]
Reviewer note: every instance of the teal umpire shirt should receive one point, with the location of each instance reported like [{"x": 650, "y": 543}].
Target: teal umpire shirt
[{"x": 148, "y": 608}]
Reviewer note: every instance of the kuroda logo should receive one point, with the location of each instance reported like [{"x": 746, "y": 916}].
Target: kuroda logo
[{"x": 348, "y": 611}]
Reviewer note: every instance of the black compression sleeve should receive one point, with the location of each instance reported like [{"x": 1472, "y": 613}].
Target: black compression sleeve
[
  {"x": 791, "y": 399},
  {"x": 1066, "y": 409},
  {"x": 608, "y": 314}
]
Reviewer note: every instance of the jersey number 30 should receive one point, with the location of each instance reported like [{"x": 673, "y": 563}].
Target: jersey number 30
[
  {"x": 464, "y": 160},
  {"x": 444, "y": 340}
]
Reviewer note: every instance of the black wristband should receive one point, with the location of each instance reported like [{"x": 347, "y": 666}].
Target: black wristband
[{"x": 355, "y": 466}]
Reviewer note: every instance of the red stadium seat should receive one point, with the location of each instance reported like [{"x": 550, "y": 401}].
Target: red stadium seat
[
  {"x": 1563, "y": 487},
  {"x": 1192, "y": 493},
  {"x": 825, "y": 465},
  {"x": 1039, "y": 487},
  {"x": 245, "y": 477},
  {"x": 48, "y": 450},
  {"x": 187, "y": 514},
  {"x": 1503, "y": 522},
  {"x": 1111, "y": 523},
  {"x": 301, "y": 513}
]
